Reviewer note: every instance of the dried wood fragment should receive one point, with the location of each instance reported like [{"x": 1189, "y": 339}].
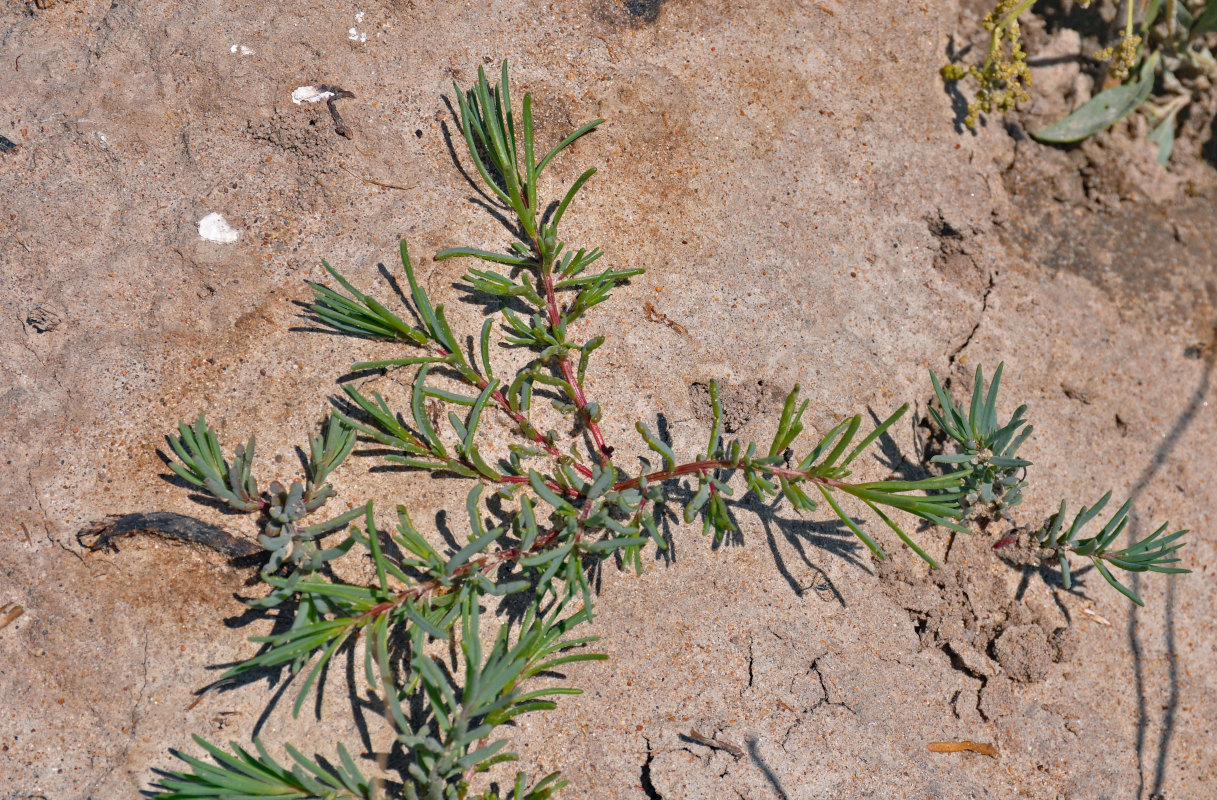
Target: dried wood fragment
[
  {"x": 956, "y": 747},
  {"x": 11, "y": 612},
  {"x": 170, "y": 526},
  {"x": 716, "y": 744}
]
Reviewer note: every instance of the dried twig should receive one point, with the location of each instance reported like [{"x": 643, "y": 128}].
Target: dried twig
[
  {"x": 956, "y": 747},
  {"x": 655, "y": 315},
  {"x": 11, "y": 612},
  {"x": 375, "y": 182},
  {"x": 716, "y": 744},
  {"x": 336, "y": 94},
  {"x": 101, "y": 535}
]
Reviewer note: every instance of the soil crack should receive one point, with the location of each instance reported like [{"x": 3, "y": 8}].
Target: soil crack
[
  {"x": 647, "y": 785},
  {"x": 750, "y": 662},
  {"x": 984, "y": 307},
  {"x": 826, "y": 700}
]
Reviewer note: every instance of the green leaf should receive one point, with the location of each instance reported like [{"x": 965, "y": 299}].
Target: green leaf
[
  {"x": 485, "y": 255},
  {"x": 875, "y": 434},
  {"x": 850, "y": 430},
  {"x": 606, "y": 545},
  {"x": 1164, "y": 134},
  {"x": 1207, "y": 21},
  {"x": 570, "y": 195},
  {"x": 419, "y": 410},
  {"x": 580, "y": 131},
  {"x": 484, "y": 343},
  {"x": 473, "y": 548},
  {"x": 547, "y": 494},
  {"x": 421, "y": 302},
  {"x": 853, "y": 526},
  {"x": 1115, "y": 584},
  {"x": 475, "y": 415},
  {"x": 585, "y": 353},
  {"x": 1104, "y": 109},
  {"x": 904, "y": 537},
  {"x": 657, "y": 444},
  {"x": 699, "y": 500},
  {"x": 790, "y": 425}
]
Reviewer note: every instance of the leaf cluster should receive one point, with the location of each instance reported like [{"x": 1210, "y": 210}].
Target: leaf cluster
[
  {"x": 288, "y": 542},
  {"x": 993, "y": 480},
  {"x": 1154, "y": 553},
  {"x": 992, "y": 472}
]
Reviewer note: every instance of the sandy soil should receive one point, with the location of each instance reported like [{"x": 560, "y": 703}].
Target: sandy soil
[{"x": 793, "y": 177}]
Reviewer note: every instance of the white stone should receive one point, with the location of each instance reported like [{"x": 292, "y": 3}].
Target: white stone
[
  {"x": 215, "y": 228},
  {"x": 310, "y": 94}
]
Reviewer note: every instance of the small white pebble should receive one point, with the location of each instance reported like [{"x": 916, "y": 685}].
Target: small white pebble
[
  {"x": 214, "y": 228},
  {"x": 310, "y": 94}
]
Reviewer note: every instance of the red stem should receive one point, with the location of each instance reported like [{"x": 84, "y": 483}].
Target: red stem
[
  {"x": 568, "y": 372},
  {"x": 487, "y": 562},
  {"x": 521, "y": 420},
  {"x": 482, "y": 563},
  {"x": 698, "y": 467}
]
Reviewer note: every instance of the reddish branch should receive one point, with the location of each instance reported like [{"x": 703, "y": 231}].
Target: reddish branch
[
  {"x": 700, "y": 467},
  {"x": 484, "y": 564},
  {"x": 521, "y": 420},
  {"x": 568, "y": 372},
  {"x": 488, "y": 562}
]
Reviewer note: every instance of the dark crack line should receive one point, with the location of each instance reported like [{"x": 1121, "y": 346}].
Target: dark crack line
[
  {"x": 647, "y": 785},
  {"x": 786, "y": 735},
  {"x": 815, "y": 667},
  {"x": 46, "y": 528},
  {"x": 750, "y": 661},
  {"x": 29, "y": 478},
  {"x": 66, "y": 413},
  {"x": 984, "y": 306},
  {"x": 957, "y": 663},
  {"x": 126, "y": 748}
]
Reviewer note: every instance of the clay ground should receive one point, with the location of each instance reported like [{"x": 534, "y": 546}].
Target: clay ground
[{"x": 794, "y": 179}]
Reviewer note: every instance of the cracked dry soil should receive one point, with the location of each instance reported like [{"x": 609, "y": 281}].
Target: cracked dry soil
[{"x": 791, "y": 176}]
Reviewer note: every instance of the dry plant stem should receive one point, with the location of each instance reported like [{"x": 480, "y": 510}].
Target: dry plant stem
[{"x": 983, "y": 748}]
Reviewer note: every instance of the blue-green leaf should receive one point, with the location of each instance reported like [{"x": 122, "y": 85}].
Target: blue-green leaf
[{"x": 1104, "y": 109}]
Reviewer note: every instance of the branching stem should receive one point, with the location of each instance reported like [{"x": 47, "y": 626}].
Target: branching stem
[
  {"x": 701, "y": 467},
  {"x": 526, "y": 428},
  {"x": 568, "y": 373}
]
